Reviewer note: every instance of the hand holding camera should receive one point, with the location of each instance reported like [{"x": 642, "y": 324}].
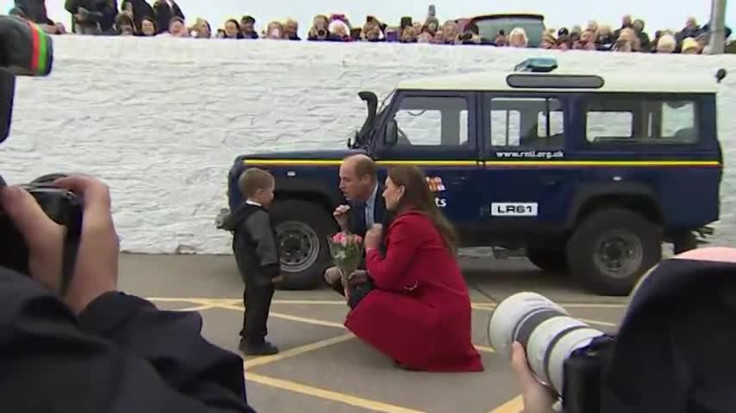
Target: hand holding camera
[{"x": 95, "y": 268}]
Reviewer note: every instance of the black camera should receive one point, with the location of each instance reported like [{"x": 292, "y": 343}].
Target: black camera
[
  {"x": 27, "y": 50},
  {"x": 565, "y": 354}
]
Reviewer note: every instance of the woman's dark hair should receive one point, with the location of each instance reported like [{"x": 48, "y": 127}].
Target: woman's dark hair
[{"x": 417, "y": 196}]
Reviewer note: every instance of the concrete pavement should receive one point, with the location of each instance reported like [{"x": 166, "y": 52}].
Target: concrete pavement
[{"x": 322, "y": 367}]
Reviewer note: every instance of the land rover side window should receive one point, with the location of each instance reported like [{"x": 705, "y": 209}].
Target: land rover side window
[
  {"x": 432, "y": 121},
  {"x": 534, "y": 123},
  {"x": 641, "y": 120}
]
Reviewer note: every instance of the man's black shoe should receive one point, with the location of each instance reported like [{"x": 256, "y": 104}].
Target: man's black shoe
[{"x": 261, "y": 349}]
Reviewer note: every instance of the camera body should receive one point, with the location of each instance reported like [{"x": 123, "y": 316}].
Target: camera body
[{"x": 26, "y": 50}]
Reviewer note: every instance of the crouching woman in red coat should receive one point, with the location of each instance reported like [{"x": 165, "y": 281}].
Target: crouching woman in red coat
[{"x": 417, "y": 311}]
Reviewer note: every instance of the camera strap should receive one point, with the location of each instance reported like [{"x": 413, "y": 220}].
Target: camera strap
[{"x": 69, "y": 259}]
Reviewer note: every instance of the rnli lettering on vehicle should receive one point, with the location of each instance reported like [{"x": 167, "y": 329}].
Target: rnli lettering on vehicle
[
  {"x": 514, "y": 209},
  {"x": 489, "y": 164}
]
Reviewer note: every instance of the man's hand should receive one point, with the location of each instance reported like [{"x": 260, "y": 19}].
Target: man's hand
[
  {"x": 537, "y": 398},
  {"x": 96, "y": 268},
  {"x": 277, "y": 279},
  {"x": 373, "y": 236},
  {"x": 341, "y": 216}
]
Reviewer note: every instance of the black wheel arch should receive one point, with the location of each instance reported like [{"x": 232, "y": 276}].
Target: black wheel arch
[
  {"x": 634, "y": 196},
  {"x": 308, "y": 189}
]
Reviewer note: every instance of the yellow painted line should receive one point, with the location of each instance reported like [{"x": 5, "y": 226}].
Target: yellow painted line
[
  {"x": 515, "y": 405},
  {"x": 603, "y": 163},
  {"x": 289, "y": 317},
  {"x": 464, "y": 162},
  {"x": 485, "y": 349},
  {"x": 197, "y": 308},
  {"x": 297, "y": 351},
  {"x": 311, "y": 302},
  {"x": 367, "y": 404}
]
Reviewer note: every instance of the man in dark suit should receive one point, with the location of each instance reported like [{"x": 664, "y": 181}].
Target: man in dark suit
[
  {"x": 359, "y": 184},
  {"x": 366, "y": 206}
]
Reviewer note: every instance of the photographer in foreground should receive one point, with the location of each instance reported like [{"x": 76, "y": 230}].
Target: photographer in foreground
[
  {"x": 674, "y": 351},
  {"x": 92, "y": 348}
]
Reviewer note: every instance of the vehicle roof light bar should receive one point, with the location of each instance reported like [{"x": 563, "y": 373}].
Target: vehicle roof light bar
[{"x": 537, "y": 65}]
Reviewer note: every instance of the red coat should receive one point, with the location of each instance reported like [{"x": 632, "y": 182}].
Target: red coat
[{"x": 419, "y": 314}]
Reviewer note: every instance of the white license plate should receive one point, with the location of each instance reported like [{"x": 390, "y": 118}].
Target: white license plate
[{"x": 514, "y": 209}]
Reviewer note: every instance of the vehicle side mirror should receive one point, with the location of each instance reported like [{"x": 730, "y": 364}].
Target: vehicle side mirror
[{"x": 392, "y": 134}]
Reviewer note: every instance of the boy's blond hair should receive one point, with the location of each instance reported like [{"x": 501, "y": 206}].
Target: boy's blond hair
[{"x": 253, "y": 179}]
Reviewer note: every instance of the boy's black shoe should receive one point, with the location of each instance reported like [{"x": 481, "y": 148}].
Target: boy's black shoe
[{"x": 260, "y": 349}]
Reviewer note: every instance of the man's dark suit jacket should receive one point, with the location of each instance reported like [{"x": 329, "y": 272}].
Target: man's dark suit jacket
[{"x": 356, "y": 215}]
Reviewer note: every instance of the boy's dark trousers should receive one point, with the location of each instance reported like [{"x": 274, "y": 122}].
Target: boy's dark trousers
[{"x": 257, "y": 301}]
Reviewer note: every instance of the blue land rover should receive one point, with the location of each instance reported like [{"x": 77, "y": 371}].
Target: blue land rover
[{"x": 588, "y": 174}]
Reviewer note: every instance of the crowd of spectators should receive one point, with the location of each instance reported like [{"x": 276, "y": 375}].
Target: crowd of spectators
[{"x": 166, "y": 18}]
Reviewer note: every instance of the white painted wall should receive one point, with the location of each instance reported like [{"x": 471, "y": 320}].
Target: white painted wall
[{"x": 160, "y": 120}]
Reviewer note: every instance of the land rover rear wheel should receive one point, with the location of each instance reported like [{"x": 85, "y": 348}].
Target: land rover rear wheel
[
  {"x": 612, "y": 248},
  {"x": 302, "y": 229}
]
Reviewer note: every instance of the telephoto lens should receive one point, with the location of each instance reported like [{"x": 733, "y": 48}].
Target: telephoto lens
[{"x": 549, "y": 335}]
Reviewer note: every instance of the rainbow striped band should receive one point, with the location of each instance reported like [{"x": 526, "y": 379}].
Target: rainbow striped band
[{"x": 40, "y": 58}]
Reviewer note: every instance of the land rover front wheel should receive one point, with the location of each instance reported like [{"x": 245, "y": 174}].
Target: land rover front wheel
[
  {"x": 302, "y": 229},
  {"x": 612, "y": 248}
]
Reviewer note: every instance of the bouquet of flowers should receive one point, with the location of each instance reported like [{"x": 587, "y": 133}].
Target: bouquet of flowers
[{"x": 347, "y": 252}]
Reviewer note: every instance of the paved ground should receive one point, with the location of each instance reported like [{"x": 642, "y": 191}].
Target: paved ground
[{"x": 322, "y": 367}]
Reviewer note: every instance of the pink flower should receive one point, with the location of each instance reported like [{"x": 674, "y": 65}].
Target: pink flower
[
  {"x": 358, "y": 239},
  {"x": 338, "y": 238}
]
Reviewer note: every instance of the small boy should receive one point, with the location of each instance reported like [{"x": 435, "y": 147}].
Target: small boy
[{"x": 257, "y": 256}]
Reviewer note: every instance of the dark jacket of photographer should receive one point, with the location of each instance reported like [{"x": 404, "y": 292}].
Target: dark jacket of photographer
[{"x": 121, "y": 354}]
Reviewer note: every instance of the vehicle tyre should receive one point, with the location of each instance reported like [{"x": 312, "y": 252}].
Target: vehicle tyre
[
  {"x": 302, "y": 228},
  {"x": 548, "y": 259},
  {"x": 612, "y": 248}
]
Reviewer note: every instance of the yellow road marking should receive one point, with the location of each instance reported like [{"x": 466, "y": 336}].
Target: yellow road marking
[
  {"x": 515, "y": 405},
  {"x": 202, "y": 307},
  {"x": 485, "y": 349},
  {"x": 328, "y": 394},
  {"x": 297, "y": 351},
  {"x": 289, "y": 317}
]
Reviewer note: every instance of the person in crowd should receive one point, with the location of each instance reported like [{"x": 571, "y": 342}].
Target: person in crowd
[
  {"x": 626, "y": 23},
  {"x": 320, "y": 29},
  {"x": 645, "y": 44},
  {"x": 148, "y": 27},
  {"x": 164, "y": 12},
  {"x": 666, "y": 44},
  {"x": 92, "y": 17},
  {"x": 233, "y": 30},
  {"x": 177, "y": 27},
  {"x": 517, "y": 38},
  {"x": 201, "y": 29},
  {"x": 124, "y": 25},
  {"x": 274, "y": 31},
  {"x": 690, "y": 46},
  {"x": 90, "y": 347},
  {"x": 257, "y": 256},
  {"x": 137, "y": 10},
  {"x": 291, "y": 30},
  {"x": 413, "y": 304},
  {"x": 247, "y": 27}
]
